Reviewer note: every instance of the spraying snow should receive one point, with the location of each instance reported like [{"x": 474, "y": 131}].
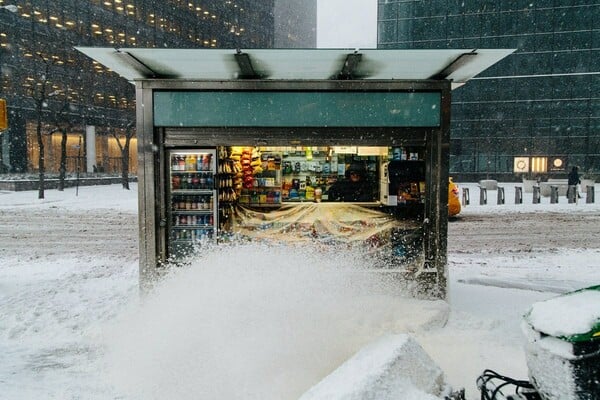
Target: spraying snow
[{"x": 257, "y": 322}]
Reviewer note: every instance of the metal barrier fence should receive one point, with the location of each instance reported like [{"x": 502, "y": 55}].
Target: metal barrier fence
[
  {"x": 482, "y": 196},
  {"x": 501, "y": 198},
  {"x": 553, "y": 194},
  {"x": 518, "y": 195},
  {"x": 572, "y": 195},
  {"x": 537, "y": 197}
]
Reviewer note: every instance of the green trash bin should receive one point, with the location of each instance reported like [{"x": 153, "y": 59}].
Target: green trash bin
[{"x": 563, "y": 346}]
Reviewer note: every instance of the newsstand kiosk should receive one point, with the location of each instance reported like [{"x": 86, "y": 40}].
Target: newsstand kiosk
[{"x": 251, "y": 143}]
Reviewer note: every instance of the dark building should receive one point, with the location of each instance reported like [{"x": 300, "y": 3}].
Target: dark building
[
  {"x": 48, "y": 84},
  {"x": 538, "y": 110}
]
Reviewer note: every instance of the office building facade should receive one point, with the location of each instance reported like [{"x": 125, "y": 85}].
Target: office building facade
[
  {"x": 535, "y": 113},
  {"x": 48, "y": 84}
]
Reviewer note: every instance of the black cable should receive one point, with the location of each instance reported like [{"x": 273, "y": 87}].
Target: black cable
[{"x": 489, "y": 375}]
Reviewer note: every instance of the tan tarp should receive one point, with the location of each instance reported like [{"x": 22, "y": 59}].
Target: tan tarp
[{"x": 335, "y": 222}]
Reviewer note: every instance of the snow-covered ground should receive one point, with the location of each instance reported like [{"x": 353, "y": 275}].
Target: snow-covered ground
[{"x": 250, "y": 322}]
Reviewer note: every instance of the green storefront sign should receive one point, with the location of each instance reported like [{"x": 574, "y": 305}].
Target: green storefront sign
[{"x": 296, "y": 109}]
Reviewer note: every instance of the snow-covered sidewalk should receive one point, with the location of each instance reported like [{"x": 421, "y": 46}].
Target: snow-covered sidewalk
[{"x": 72, "y": 326}]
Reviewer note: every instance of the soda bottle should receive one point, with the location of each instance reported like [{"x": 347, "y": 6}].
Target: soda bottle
[
  {"x": 190, "y": 162},
  {"x": 195, "y": 182}
]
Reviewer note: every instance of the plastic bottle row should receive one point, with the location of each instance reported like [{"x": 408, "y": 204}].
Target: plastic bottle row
[
  {"x": 193, "y": 234},
  {"x": 192, "y": 220},
  {"x": 191, "y": 162},
  {"x": 181, "y": 203},
  {"x": 201, "y": 181}
]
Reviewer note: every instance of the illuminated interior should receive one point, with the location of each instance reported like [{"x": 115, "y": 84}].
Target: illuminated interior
[
  {"x": 108, "y": 153},
  {"x": 271, "y": 176}
]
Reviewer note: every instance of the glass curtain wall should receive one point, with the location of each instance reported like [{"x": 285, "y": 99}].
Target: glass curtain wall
[
  {"x": 541, "y": 101},
  {"x": 42, "y": 75}
]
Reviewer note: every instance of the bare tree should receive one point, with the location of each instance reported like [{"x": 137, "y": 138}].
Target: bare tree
[
  {"x": 63, "y": 121},
  {"x": 39, "y": 94},
  {"x": 124, "y": 147}
]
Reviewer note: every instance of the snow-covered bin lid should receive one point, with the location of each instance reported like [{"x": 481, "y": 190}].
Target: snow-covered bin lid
[{"x": 574, "y": 317}]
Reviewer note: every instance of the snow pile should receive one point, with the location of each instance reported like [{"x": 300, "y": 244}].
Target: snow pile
[
  {"x": 393, "y": 367},
  {"x": 554, "y": 366},
  {"x": 573, "y": 314}
]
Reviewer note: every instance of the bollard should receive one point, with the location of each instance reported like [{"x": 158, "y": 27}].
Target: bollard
[
  {"x": 501, "y": 198},
  {"x": 589, "y": 197},
  {"x": 572, "y": 194},
  {"x": 518, "y": 195},
  {"x": 553, "y": 194},
  {"x": 482, "y": 196},
  {"x": 536, "y": 194},
  {"x": 465, "y": 197}
]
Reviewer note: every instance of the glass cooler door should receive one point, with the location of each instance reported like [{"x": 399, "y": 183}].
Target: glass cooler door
[{"x": 193, "y": 202}]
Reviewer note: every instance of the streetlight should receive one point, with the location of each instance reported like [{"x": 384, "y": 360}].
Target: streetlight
[{"x": 11, "y": 7}]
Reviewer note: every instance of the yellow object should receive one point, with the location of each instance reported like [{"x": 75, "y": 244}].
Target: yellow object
[
  {"x": 309, "y": 154},
  {"x": 453, "y": 199},
  {"x": 3, "y": 115}
]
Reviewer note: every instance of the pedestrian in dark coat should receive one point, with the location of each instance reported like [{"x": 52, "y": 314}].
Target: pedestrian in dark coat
[
  {"x": 573, "y": 181},
  {"x": 356, "y": 187}
]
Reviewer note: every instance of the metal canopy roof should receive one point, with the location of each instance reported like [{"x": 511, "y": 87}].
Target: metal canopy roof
[{"x": 457, "y": 65}]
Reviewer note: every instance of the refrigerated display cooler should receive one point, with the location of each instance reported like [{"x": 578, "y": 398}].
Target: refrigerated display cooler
[{"x": 192, "y": 200}]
